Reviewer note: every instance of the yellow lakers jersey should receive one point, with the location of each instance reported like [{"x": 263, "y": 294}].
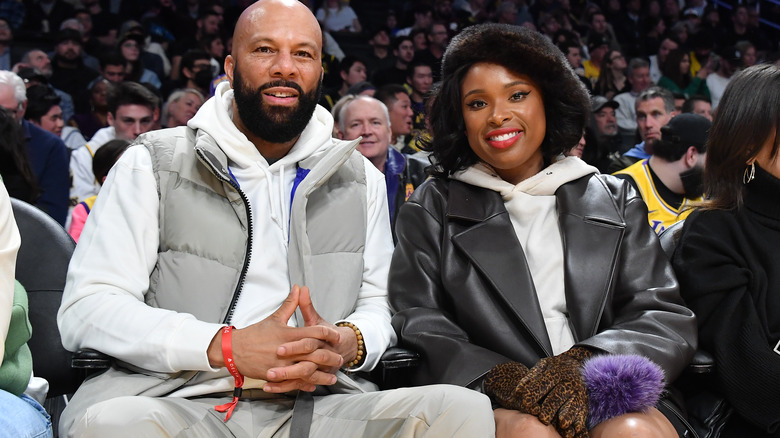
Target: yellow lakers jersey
[{"x": 660, "y": 214}]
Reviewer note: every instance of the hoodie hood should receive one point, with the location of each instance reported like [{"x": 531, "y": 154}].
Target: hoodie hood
[
  {"x": 215, "y": 118},
  {"x": 544, "y": 183}
]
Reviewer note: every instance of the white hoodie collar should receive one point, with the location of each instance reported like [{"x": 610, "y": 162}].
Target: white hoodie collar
[
  {"x": 215, "y": 117},
  {"x": 543, "y": 183}
]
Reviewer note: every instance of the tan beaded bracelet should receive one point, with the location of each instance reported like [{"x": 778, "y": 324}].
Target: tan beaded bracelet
[{"x": 361, "y": 349}]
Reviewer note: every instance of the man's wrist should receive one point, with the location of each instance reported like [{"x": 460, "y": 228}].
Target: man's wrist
[{"x": 214, "y": 352}]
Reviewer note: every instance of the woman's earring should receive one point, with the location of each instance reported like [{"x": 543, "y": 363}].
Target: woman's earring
[{"x": 750, "y": 173}]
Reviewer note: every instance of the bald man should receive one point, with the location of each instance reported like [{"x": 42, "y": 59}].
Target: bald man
[{"x": 238, "y": 261}]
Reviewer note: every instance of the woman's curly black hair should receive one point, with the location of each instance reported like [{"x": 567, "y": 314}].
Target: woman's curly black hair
[{"x": 522, "y": 51}]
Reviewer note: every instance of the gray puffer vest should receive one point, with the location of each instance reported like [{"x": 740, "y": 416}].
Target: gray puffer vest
[{"x": 205, "y": 227}]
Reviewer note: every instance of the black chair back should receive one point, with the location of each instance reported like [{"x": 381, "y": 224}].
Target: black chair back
[{"x": 41, "y": 267}]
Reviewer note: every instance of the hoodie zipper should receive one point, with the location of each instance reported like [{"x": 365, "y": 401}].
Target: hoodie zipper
[{"x": 245, "y": 268}]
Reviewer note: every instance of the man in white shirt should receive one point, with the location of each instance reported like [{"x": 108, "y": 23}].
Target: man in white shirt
[
  {"x": 183, "y": 270},
  {"x": 132, "y": 111}
]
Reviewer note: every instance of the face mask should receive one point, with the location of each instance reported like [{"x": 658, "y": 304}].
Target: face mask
[
  {"x": 692, "y": 182},
  {"x": 203, "y": 78}
]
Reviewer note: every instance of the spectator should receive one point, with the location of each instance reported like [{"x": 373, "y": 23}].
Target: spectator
[
  {"x": 69, "y": 73},
  {"x": 422, "y": 17},
  {"x": 73, "y": 24},
  {"x": 598, "y": 48},
  {"x": 105, "y": 23},
  {"x": 48, "y": 154},
  {"x": 419, "y": 40},
  {"x": 9, "y": 53},
  {"x": 728, "y": 64},
  {"x": 677, "y": 78},
  {"x": 96, "y": 116},
  {"x": 612, "y": 79},
  {"x": 43, "y": 110},
  {"x": 658, "y": 60},
  {"x": 670, "y": 180},
  {"x": 470, "y": 12},
  {"x": 604, "y": 129},
  {"x": 628, "y": 28},
  {"x": 601, "y": 32},
  {"x": 573, "y": 52},
  {"x": 129, "y": 46},
  {"x": 337, "y": 16},
  {"x": 654, "y": 30},
  {"x": 403, "y": 50},
  {"x": 182, "y": 105},
  {"x": 438, "y": 38},
  {"x": 43, "y": 18},
  {"x": 112, "y": 67},
  {"x": 132, "y": 110},
  {"x": 215, "y": 47},
  {"x": 639, "y": 77},
  {"x": 498, "y": 120},
  {"x": 367, "y": 118},
  {"x": 20, "y": 414},
  {"x": 420, "y": 80},
  {"x": 701, "y": 56},
  {"x": 399, "y": 106},
  {"x": 32, "y": 76},
  {"x": 337, "y": 211},
  {"x": 726, "y": 258},
  {"x": 195, "y": 72},
  {"x": 207, "y": 24},
  {"x": 352, "y": 71},
  {"x": 747, "y": 53},
  {"x": 16, "y": 170},
  {"x": 153, "y": 54},
  {"x": 104, "y": 159},
  {"x": 654, "y": 107},
  {"x": 700, "y": 105},
  {"x": 380, "y": 57}
]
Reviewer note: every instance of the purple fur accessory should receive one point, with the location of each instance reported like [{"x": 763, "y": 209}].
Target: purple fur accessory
[{"x": 619, "y": 384}]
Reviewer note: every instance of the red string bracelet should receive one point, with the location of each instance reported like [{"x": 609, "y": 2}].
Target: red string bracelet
[{"x": 227, "y": 355}]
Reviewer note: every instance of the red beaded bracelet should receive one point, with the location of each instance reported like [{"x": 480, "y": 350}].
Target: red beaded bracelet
[{"x": 230, "y": 363}]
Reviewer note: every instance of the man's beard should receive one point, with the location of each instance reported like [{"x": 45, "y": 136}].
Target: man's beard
[
  {"x": 692, "y": 181},
  {"x": 275, "y": 124}
]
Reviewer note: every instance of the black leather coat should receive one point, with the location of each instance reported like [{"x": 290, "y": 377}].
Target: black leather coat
[{"x": 464, "y": 296}]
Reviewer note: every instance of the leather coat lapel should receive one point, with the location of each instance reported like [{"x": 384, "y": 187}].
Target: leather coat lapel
[
  {"x": 591, "y": 244},
  {"x": 491, "y": 245}
]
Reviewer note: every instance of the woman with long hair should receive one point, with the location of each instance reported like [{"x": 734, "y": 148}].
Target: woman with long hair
[
  {"x": 130, "y": 47},
  {"x": 517, "y": 267},
  {"x": 677, "y": 77},
  {"x": 726, "y": 259},
  {"x": 15, "y": 168},
  {"x": 612, "y": 80}
]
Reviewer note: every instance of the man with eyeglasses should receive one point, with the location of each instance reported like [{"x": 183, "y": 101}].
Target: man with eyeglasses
[{"x": 48, "y": 154}]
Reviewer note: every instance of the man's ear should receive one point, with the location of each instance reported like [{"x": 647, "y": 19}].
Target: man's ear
[
  {"x": 692, "y": 157},
  {"x": 110, "y": 119},
  {"x": 229, "y": 66}
]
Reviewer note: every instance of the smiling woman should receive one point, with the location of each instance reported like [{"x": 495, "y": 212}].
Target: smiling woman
[{"x": 515, "y": 265}]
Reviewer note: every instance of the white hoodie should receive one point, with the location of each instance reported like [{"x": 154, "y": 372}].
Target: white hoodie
[
  {"x": 531, "y": 207},
  {"x": 103, "y": 305}
]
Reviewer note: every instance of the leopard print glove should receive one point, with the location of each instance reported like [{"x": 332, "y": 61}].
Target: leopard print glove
[
  {"x": 501, "y": 382},
  {"x": 554, "y": 391}
]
